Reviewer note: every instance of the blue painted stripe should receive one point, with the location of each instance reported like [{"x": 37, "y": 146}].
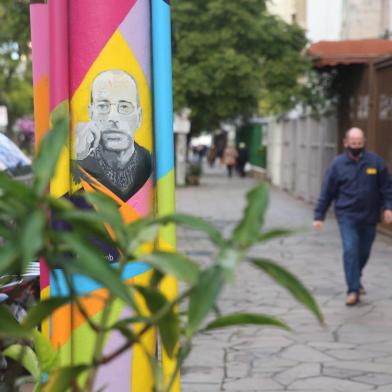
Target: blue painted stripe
[
  {"x": 84, "y": 285},
  {"x": 163, "y": 101}
]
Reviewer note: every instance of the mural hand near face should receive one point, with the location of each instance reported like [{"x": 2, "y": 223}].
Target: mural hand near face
[{"x": 88, "y": 136}]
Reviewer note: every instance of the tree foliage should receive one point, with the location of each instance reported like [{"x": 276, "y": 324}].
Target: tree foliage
[
  {"x": 230, "y": 56},
  {"x": 16, "y": 90}
]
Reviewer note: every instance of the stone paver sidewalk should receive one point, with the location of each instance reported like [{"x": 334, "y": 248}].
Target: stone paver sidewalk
[{"x": 353, "y": 352}]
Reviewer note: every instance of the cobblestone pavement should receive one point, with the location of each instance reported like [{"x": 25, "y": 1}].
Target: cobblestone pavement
[{"x": 353, "y": 352}]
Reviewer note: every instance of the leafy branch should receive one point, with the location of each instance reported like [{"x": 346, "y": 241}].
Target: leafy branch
[{"x": 29, "y": 233}]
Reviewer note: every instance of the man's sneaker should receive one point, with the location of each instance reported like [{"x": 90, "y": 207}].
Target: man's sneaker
[
  {"x": 362, "y": 291},
  {"x": 352, "y": 299}
]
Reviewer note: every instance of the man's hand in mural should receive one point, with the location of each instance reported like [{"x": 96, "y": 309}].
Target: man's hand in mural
[{"x": 87, "y": 137}]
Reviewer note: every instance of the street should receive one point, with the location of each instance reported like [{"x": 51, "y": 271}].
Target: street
[{"x": 352, "y": 352}]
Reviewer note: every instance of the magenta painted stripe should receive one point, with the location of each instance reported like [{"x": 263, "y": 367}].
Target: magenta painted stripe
[
  {"x": 92, "y": 23},
  {"x": 39, "y": 22},
  {"x": 137, "y": 33},
  {"x": 58, "y": 51},
  {"x": 44, "y": 274}
]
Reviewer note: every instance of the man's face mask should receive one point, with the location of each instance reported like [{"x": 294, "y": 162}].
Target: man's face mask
[{"x": 355, "y": 151}]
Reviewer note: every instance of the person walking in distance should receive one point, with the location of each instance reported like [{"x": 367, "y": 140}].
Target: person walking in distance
[
  {"x": 242, "y": 159},
  {"x": 230, "y": 156},
  {"x": 360, "y": 185}
]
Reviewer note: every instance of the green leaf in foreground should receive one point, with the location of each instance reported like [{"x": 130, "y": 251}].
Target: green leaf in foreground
[
  {"x": 228, "y": 259},
  {"x": 248, "y": 230},
  {"x": 9, "y": 327},
  {"x": 291, "y": 283},
  {"x": 175, "y": 264},
  {"x": 276, "y": 233},
  {"x": 194, "y": 223},
  {"x": 204, "y": 296},
  {"x": 90, "y": 262},
  {"x": 47, "y": 357},
  {"x": 9, "y": 253},
  {"x": 61, "y": 380},
  {"x": 15, "y": 188},
  {"x": 109, "y": 212},
  {"x": 246, "y": 319},
  {"x": 42, "y": 310},
  {"x": 26, "y": 357},
  {"x": 139, "y": 235},
  {"x": 44, "y": 165},
  {"x": 168, "y": 324},
  {"x": 32, "y": 236}
]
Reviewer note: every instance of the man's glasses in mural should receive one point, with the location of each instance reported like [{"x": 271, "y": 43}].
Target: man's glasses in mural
[{"x": 122, "y": 107}]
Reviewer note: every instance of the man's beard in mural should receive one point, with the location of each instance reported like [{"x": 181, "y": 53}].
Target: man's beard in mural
[{"x": 124, "y": 181}]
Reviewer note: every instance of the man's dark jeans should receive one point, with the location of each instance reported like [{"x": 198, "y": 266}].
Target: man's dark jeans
[{"x": 357, "y": 242}]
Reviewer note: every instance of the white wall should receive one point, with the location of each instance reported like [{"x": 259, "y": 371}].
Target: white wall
[
  {"x": 324, "y": 19},
  {"x": 365, "y": 19},
  {"x": 273, "y": 137}
]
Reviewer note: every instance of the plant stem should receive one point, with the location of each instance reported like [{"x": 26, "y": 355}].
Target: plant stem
[
  {"x": 180, "y": 360},
  {"x": 149, "y": 324}
]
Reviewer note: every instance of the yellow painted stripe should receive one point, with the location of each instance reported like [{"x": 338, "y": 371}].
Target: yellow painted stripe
[{"x": 45, "y": 326}]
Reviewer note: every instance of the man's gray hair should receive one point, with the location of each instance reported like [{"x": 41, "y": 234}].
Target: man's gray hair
[
  {"x": 117, "y": 72},
  {"x": 352, "y": 130}
]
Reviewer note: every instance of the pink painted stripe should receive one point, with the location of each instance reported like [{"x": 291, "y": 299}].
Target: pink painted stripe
[
  {"x": 58, "y": 30},
  {"x": 95, "y": 21},
  {"x": 142, "y": 200},
  {"x": 39, "y": 22},
  {"x": 136, "y": 30},
  {"x": 115, "y": 372},
  {"x": 44, "y": 274}
]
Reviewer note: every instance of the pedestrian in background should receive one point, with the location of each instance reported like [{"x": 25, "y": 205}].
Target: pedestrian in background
[
  {"x": 230, "y": 158},
  {"x": 211, "y": 156},
  {"x": 360, "y": 185},
  {"x": 242, "y": 159}
]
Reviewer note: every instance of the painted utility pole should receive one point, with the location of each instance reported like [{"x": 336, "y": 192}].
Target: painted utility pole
[{"x": 92, "y": 62}]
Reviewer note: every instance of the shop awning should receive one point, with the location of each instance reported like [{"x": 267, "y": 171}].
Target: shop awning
[{"x": 332, "y": 53}]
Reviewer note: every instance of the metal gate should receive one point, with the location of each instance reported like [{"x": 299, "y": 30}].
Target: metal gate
[{"x": 299, "y": 151}]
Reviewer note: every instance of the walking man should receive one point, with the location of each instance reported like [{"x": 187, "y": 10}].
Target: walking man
[{"x": 359, "y": 184}]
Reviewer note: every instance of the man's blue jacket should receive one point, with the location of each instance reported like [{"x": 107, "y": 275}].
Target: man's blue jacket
[{"x": 360, "y": 189}]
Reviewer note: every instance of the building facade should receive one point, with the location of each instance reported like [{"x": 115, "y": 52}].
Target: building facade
[
  {"x": 333, "y": 20},
  {"x": 324, "y": 20},
  {"x": 291, "y": 11},
  {"x": 366, "y": 19}
]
